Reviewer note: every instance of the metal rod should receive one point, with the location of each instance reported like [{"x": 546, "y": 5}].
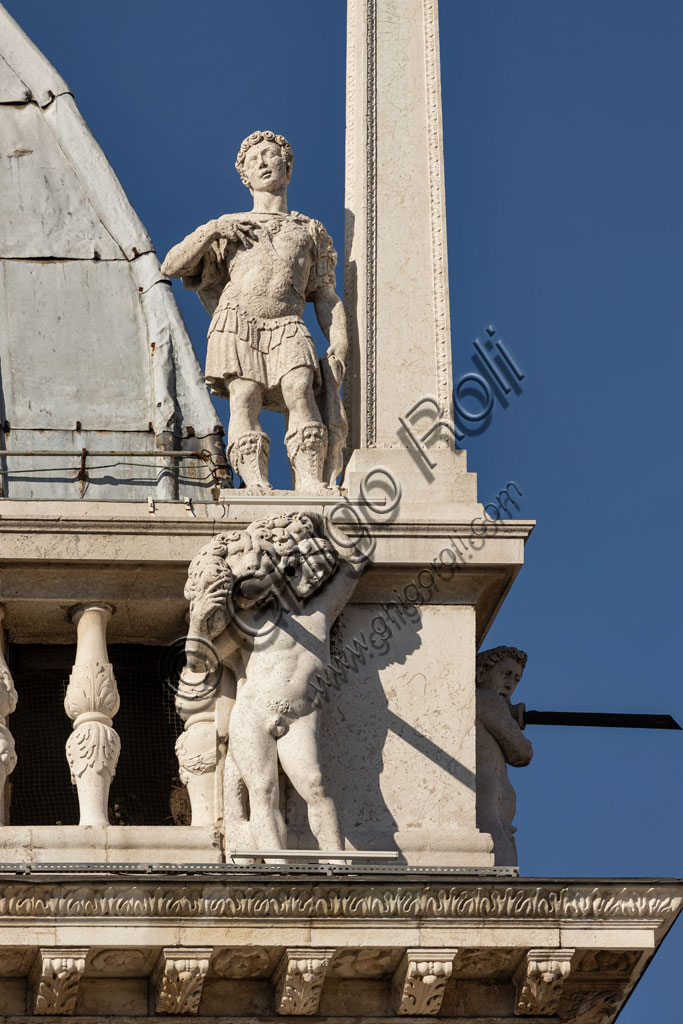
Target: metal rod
[
  {"x": 92, "y": 453},
  {"x": 319, "y": 854},
  {"x": 604, "y": 721}
]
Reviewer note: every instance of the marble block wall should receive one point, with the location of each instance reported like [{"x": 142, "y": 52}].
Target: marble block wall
[{"x": 398, "y": 734}]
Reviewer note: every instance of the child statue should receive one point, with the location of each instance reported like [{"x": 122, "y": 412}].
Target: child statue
[{"x": 499, "y": 742}]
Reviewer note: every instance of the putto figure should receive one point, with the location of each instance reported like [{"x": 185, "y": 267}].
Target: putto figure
[
  {"x": 254, "y": 273},
  {"x": 266, "y": 597},
  {"x": 499, "y": 742}
]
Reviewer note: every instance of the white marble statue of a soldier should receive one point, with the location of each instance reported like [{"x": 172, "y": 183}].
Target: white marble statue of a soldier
[
  {"x": 255, "y": 272},
  {"x": 500, "y": 742}
]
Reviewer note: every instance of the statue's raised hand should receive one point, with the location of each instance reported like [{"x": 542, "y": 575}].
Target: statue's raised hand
[
  {"x": 236, "y": 230},
  {"x": 210, "y": 612}
]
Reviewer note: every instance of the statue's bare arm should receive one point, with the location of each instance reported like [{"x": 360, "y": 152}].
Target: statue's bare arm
[
  {"x": 496, "y": 715},
  {"x": 336, "y": 594},
  {"x": 329, "y": 309},
  {"x": 185, "y": 258}
]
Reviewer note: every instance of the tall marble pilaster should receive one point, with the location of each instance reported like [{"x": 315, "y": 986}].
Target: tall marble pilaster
[{"x": 396, "y": 269}]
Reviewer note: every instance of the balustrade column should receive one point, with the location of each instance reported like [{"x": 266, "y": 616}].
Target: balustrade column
[
  {"x": 8, "y": 702},
  {"x": 197, "y": 748},
  {"x": 91, "y": 701}
]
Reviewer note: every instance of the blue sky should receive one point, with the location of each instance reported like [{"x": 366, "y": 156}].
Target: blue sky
[{"x": 564, "y": 164}]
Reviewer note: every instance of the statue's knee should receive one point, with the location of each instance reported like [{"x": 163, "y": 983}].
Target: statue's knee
[
  {"x": 264, "y": 792},
  {"x": 316, "y": 788}
]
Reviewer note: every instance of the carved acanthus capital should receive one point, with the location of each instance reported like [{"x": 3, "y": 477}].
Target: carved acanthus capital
[
  {"x": 8, "y": 693},
  {"x": 196, "y": 747},
  {"x": 92, "y": 687},
  {"x": 299, "y": 980},
  {"x": 54, "y": 980},
  {"x": 539, "y": 980},
  {"x": 93, "y": 744},
  {"x": 178, "y": 978},
  {"x": 8, "y": 703},
  {"x": 8, "y": 755},
  {"x": 420, "y": 981},
  {"x": 91, "y": 701}
]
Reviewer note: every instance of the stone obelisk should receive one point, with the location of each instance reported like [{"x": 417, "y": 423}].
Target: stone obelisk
[{"x": 396, "y": 269}]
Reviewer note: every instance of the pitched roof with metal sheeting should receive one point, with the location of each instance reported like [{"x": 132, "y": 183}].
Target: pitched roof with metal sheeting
[{"x": 94, "y": 353}]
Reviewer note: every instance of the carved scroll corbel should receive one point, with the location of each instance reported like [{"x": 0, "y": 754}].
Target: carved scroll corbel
[
  {"x": 539, "y": 980},
  {"x": 178, "y": 978},
  {"x": 419, "y": 981},
  {"x": 54, "y": 980},
  {"x": 91, "y": 701},
  {"x": 299, "y": 980},
  {"x": 8, "y": 702}
]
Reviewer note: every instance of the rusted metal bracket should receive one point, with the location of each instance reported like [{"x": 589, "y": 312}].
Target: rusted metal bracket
[{"x": 82, "y": 474}]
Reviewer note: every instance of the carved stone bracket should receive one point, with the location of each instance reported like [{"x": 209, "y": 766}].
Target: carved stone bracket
[
  {"x": 299, "y": 979},
  {"x": 420, "y": 980},
  {"x": 91, "y": 702},
  {"x": 539, "y": 980},
  {"x": 178, "y": 978},
  {"x": 54, "y": 980},
  {"x": 8, "y": 702}
]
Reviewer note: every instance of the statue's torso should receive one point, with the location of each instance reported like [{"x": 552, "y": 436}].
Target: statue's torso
[{"x": 269, "y": 278}]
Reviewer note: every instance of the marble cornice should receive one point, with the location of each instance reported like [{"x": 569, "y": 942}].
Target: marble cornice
[{"x": 576, "y": 902}]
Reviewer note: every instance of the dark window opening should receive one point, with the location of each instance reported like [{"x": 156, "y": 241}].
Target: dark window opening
[{"x": 145, "y": 790}]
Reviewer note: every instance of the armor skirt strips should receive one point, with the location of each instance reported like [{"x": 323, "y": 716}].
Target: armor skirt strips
[{"x": 258, "y": 349}]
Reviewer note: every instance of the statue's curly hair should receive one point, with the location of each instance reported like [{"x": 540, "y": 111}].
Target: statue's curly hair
[
  {"x": 253, "y": 140},
  {"x": 284, "y": 539},
  {"x": 487, "y": 659}
]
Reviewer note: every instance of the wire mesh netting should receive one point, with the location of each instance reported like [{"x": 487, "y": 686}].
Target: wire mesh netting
[{"x": 145, "y": 790}]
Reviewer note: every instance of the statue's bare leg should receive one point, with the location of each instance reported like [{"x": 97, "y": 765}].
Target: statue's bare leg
[
  {"x": 306, "y": 437},
  {"x": 298, "y": 753},
  {"x": 254, "y": 751},
  {"x": 247, "y": 444}
]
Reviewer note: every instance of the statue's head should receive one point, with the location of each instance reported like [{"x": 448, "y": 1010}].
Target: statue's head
[
  {"x": 500, "y": 669},
  {"x": 288, "y": 551},
  {"x": 264, "y": 162},
  {"x": 248, "y": 567}
]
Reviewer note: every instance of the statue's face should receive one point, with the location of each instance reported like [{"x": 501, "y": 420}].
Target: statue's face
[
  {"x": 503, "y": 677},
  {"x": 257, "y": 578},
  {"x": 317, "y": 563},
  {"x": 265, "y": 167}
]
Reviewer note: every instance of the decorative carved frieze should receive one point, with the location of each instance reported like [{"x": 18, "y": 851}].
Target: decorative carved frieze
[
  {"x": 54, "y": 980},
  {"x": 13, "y": 962},
  {"x": 249, "y": 962},
  {"x": 178, "y": 978},
  {"x": 420, "y": 981},
  {"x": 485, "y": 963},
  {"x": 366, "y": 962},
  {"x": 299, "y": 980},
  {"x": 592, "y": 1006},
  {"x": 337, "y": 901},
  {"x": 91, "y": 702},
  {"x": 608, "y": 961},
  {"x": 120, "y": 962},
  {"x": 539, "y": 980}
]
